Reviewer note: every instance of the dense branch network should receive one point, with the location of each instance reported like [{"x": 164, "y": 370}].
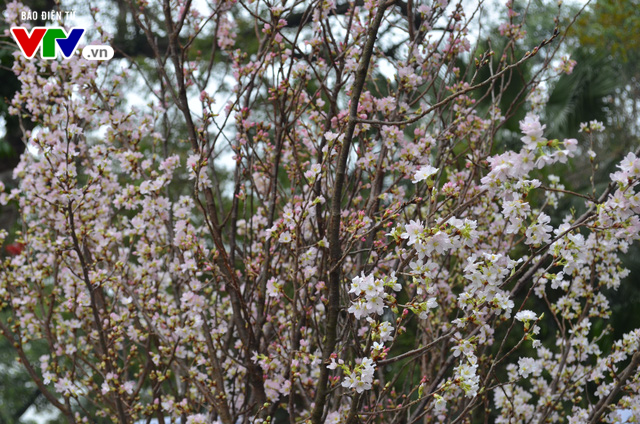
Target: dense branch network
[{"x": 313, "y": 230}]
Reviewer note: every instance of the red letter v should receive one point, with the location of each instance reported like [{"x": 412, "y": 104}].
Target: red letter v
[{"x": 28, "y": 43}]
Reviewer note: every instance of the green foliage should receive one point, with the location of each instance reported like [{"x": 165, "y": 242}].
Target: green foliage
[
  {"x": 612, "y": 26},
  {"x": 17, "y": 390},
  {"x": 583, "y": 95}
]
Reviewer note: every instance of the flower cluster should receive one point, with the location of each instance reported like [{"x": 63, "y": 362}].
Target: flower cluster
[
  {"x": 371, "y": 294},
  {"x": 361, "y": 377}
]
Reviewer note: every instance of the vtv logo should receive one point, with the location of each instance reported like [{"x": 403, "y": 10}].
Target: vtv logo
[{"x": 49, "y": 37}]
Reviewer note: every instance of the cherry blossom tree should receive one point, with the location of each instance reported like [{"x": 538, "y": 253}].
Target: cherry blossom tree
[{"x": 322, "y": 224}]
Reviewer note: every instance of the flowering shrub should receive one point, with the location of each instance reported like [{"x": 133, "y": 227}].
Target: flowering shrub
[{"x": 373, "y": 253}]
